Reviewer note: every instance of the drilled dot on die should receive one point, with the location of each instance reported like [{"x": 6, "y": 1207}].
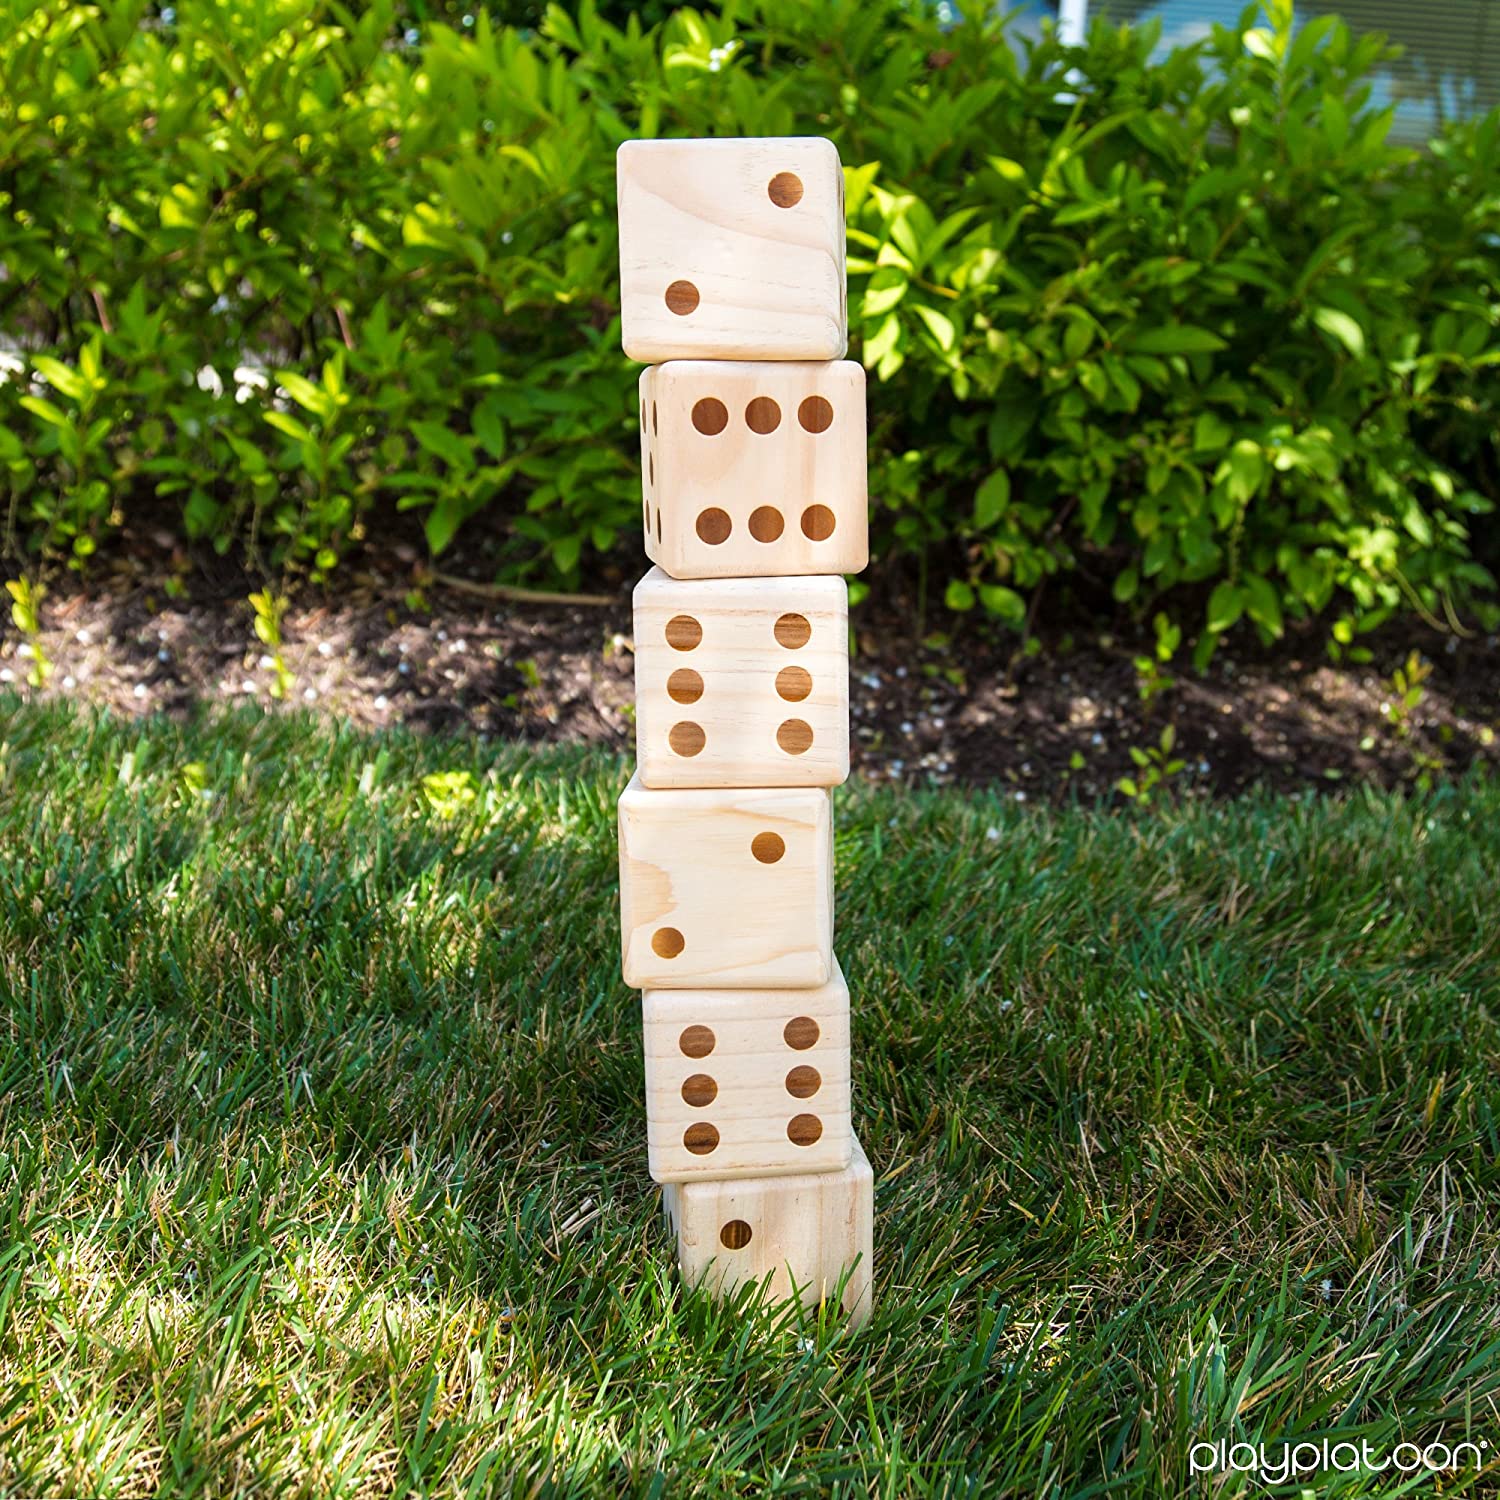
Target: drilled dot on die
[
  {"x": 800, "y": 1033},
  {"x": 766, "y": 524},
  {"x": 768, "y": 847},
  {"x": 818, "y": 523},
  {"x": 762, "y": 415},
  {"x": 793, "y": 684},
  {"x": 701, "y": 1138},
  {"x": 795, "y": 736},
  {"x": 735, "y": 1235},
  {"x": 710, "y": 416},
  {"x": 667, "y": 942},
  {"x": 700, "y": 1090},
  {"x": 793, "y": 631},
  {"x": 683, "y": 633},
  {"x": 684, "y": 686},
  {"x": 686, "y": 738},
  {"x": 815, "y": 413},
  {"x": 804, "y": 1130},
  {"x": 714, "y": 526},
  {"x": 682, "y": 298},
  {"x": 696, "y": 1041},
  {"x": 785, "y": 190},
  {"x": 803, "y": 1082}
]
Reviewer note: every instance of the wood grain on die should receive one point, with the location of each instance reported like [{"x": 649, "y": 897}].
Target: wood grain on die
[
  {"x": 741, "y": 681},
  {"x": 754, "y": 470},
  {"x": 700, "y": 909},
  {"x": 731, "y": 249},
  {"x": 750, "y": 1083},
  {"x": 800, "y": 1233}
]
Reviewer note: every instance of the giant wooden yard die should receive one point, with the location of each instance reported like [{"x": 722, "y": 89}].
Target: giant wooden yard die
[
  {"x": 747, "y": 1083},
  {"x": 754, "y": 470},
  {"x": 731, "y": 249},
  {"x": 805, "y": 1235},
  {"x": 741, "y": 681},
  {"x": 726, "y": 888},
  {"x": 753, "y": 505}
]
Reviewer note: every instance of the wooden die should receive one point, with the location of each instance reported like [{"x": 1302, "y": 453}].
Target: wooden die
[
  {"x": 726, "y": 889},
  {"x": 731, "y": 249},
  {"x": 747, "y": 1083},
  {"x": 742, "y": 681},
  {"x": 801, "y": 1234},
  {"x": 754, "y": 470}
]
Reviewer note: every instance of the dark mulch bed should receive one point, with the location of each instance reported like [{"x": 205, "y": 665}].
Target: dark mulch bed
[{"x": 391, "y": 646}]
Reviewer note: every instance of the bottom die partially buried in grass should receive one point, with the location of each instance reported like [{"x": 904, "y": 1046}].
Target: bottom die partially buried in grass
[{"x": 808, "y": 1237}]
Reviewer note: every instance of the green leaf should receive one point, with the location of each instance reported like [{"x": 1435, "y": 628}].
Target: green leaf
[
  {"x": 1225, "y": 606},
  {"x": 446, "y": 444},
  {"x": 958, "y": 595},
  {"x": 45, "y": 410},
  {"x": 285, "y": 422},
  {"x": 991, "y": 500},
  {"x": 1261, "y": 602},
  {"x": 1127, "y": 585},
  {"x": 939, "y": 325},
  {"x": 60, "y": 376},
  {"x": 441, "y": 523},
  {"x": 1342, "y": 327},
  {"x": 1177, "y": 338},
  {"x": 1002, "y": 602},
  {"x": 308, "y": 396},
  {"x": 1244, "y": 469}
]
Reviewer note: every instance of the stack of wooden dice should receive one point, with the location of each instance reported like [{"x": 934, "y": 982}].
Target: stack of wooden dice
[{"x": 753, "y": 469}]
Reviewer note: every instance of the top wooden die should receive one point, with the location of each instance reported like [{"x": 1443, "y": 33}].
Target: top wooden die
[{"x": 732, "y": 249}]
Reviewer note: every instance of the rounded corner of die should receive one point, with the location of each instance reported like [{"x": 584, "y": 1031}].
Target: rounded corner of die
[{"x": 637, "y": 350}]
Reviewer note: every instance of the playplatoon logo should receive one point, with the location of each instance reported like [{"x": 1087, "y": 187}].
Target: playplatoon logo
[{"x": 1275, "y": 1463}]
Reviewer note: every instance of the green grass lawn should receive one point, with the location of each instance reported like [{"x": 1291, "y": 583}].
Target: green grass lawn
[{"x": 322, "y": 1158}]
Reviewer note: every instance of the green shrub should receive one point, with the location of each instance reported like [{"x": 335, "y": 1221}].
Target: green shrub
[{"x": 1190, "y": 329}]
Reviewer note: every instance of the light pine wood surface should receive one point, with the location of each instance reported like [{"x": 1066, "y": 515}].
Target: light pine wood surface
[
  {"x": 754, "y": 470},
  {"x": 731, "y": 249},
  {"x": 747, "y": 1083},
  {"x": 800, "y": 1232},
  {"x": 741, "y": 682},
  {"x": 726, "y": 888}
]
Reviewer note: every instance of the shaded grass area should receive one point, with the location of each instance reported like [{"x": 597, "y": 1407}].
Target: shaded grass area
[{"x": 322, "y": 1146}]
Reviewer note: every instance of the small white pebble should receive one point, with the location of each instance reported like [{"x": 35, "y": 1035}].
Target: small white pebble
[
  {"x": 1020, "y": 796},
  {"x": 247, "y": 687},
  {"x": 442, "y": 635},
  {"x": 310, "y": 695},
  {"x": 1326, "y": 1287},
  {"x": 324, "y": 649},
  {"x": 900, "y": 671},
  {"x": 139, "y": 690},
  {"x": 84, "y": 638},
  {"x": 906, "y": 726},
  {"x": 1051, "y": 1036},
  {"x": 806, "y": 1346},
  {"x": 404, "y": 668},
  {"x": 992, "y": 834},
  {"x": 382, "y": 702},
  {"x": 6, "y": 675},
  {"x": 164, "y": 655},
  {"x": 266, "y": 662},
  {"x": 1096, "y": 739},
  {"x": 1006, "y": 1005},
  {"x": 938, "y": 721},
  {"x": 460, "y": 646}
]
